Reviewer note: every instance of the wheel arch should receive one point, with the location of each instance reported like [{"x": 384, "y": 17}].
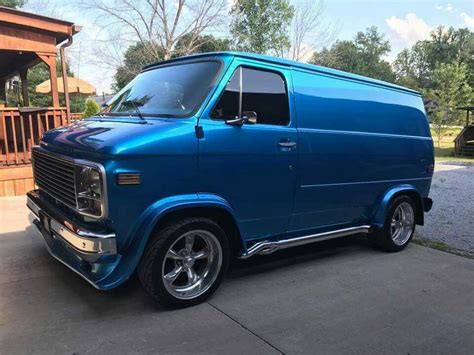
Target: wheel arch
[
  {"x": 194, "y": 205},
  {"x": 394, "y": 192},
  {"x": 161, "y": 211},
  {"x": 215, "y": 213}
]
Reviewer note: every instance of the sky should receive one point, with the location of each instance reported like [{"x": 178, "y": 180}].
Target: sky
[{"x": 403, "y": 22}]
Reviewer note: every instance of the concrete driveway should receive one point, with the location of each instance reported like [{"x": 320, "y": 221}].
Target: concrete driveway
[{"x": 334, "y": 297}]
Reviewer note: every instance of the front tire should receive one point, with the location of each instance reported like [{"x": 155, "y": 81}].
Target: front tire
[
  {"x": 399, "y": 226},
  {"x": 185, "y": 262}
]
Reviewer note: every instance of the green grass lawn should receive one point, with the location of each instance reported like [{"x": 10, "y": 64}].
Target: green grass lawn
[{"x": 445, "y": 152}]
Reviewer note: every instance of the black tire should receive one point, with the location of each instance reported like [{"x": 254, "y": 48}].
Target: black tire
[
  {"x": 151, "y": 266},
  {"x": 382, "y": 238}
]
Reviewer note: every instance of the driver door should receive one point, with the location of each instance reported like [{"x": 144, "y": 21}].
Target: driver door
[{"x": 252, "y": 165}]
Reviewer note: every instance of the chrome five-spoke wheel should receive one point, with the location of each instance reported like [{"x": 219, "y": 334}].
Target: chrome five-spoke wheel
[
  {"x": 398, "y": 227},
  {"x": 402, "y": 223},
  {"x": 185, "y": 261},
  {"x": 192, "y": 264}
]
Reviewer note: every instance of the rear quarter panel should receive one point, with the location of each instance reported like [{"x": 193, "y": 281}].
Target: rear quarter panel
[{"x": 356, "y": 141}]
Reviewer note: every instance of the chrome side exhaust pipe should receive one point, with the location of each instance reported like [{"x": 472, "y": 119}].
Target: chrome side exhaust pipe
[{"x": 268, "y": 247}]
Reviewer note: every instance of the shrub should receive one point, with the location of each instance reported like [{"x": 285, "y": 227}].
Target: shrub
[{"x": 92, "y": 108}]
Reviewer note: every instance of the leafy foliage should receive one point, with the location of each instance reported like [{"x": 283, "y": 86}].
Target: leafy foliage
[
  {"x": 40, "y": 73},
  {"x": 202, "y": 44},
  {"x": 415, "y": 67},
  {"x": 443, "y": 69},
  {"x": 13, "y": 3},
  {"x": 139, "y": 55},
  {"x": 136, "y": 57},
  {"x": 92, "y": 108},
  {"x": 36, "y": 75},
  {"x": 450, "y": 89},
  {"x": 261, "y": 26},
  {"x": 363, "y": 55}
]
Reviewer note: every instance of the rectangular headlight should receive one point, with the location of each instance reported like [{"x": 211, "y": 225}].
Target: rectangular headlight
[{"x": 89, "y": 190}]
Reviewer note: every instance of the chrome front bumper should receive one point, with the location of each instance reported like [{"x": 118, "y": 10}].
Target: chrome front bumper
[{"x": 82, "y": 241}]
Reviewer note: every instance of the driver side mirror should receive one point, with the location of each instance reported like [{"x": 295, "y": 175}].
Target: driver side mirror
[{"x": 248, "y": 117}]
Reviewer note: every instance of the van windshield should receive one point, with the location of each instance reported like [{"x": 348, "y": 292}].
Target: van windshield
[{"x": 170, "y": 91}]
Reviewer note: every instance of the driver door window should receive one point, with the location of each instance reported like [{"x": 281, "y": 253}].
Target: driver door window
[{"x": 263, "y": 92}]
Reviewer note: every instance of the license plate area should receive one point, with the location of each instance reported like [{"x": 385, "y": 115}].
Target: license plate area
[{"x": 45, "y": 221}]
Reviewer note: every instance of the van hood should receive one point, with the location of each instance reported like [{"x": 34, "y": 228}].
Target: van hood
[{"x": 117, "y": 135}]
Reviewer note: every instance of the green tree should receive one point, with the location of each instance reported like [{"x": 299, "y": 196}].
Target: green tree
[
  {"x": 415, "y": 67},
  {"x": 40, "y": 73},
  {"x": 412, "y": 67},
  {"x": 189, "y": 44},
  {"x": 449, "y": 45},
  {"x": 450, "y": 90},
  {"x": 261, "y": 26},
  {"x": 15, "y": 4},
  {"x": 92, "y": 108},
  {"x": 363, "y": 55},
  {"x": 36, "y": 75},
  {"x": 136, "y": 57},
  {"x": 139, "y": 55}
]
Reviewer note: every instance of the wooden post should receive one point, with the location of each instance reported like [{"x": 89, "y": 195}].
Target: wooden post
[
  {"x": 50, "y": 60},
  {"x": 54, "y": 82},
  {"x": 3, "y": 92},
  {"x": 24, "y": 86},
  {"x": 65, "y": 84}
]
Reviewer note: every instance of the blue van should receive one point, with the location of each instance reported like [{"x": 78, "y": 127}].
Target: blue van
[{"x": 204, "y": 158}]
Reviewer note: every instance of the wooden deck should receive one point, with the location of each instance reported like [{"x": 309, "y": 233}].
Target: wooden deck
[
  {"x": 16, "y": 180},
  {"x": 27, "y": 39},
  {"x": 20, "y": 130},
  {"x": 464, "y": 142}
]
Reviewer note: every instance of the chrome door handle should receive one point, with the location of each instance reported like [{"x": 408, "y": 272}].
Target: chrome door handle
[{"x": 284, "y": 144}]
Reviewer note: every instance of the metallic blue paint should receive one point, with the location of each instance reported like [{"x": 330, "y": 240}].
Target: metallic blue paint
[
  {"x": 378, "y": 219},
  {"x": 359, "y": 142}
]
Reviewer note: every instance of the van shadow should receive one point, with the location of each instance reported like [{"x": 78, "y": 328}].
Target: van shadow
[
  {"x": 53, "y": 283},
  {"x": 261, "y": 264},
  {"x": 135, "y": 297},
  {"x": 297, "y": 255}
]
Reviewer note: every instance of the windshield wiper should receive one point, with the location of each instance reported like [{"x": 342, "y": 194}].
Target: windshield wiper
[{"x": 134, "y": 104}]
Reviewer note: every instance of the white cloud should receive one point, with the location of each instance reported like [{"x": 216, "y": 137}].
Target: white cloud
[
  {"x": 468, "y": 20},
  {"x": 306, "y": 53},
  {"x": 408, "y": 30},
  {"x": 448, "y": 8}
]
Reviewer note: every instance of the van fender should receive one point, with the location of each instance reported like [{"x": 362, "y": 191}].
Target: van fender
[
  {"x": 162, "y": 207},
  {"x": 405, "y": 189},
  {"x": 150, "y": 217}
]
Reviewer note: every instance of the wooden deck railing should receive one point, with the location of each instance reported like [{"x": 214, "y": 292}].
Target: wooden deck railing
[
  {"x": 21, "y": 129},
  {"x": 464, "y": 142}
]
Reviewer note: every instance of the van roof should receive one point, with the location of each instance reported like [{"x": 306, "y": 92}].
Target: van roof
[{"x": 288, "y": 63}]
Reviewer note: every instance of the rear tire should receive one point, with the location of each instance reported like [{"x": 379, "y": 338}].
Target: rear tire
[
  {"x": 184, "y": 262},
  {"x": 399, "y": 226}
]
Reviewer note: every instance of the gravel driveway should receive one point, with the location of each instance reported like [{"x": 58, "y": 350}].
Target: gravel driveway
[{"x": 450, "y": 224}]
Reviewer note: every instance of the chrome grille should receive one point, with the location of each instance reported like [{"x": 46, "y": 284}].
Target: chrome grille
[{"x": 55, "y": 176}]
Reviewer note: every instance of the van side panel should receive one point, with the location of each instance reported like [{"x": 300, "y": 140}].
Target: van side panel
[{"x": 355, "y": 142}]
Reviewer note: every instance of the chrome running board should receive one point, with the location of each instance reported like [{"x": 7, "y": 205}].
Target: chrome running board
[{"x": 268, "y": 247}]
